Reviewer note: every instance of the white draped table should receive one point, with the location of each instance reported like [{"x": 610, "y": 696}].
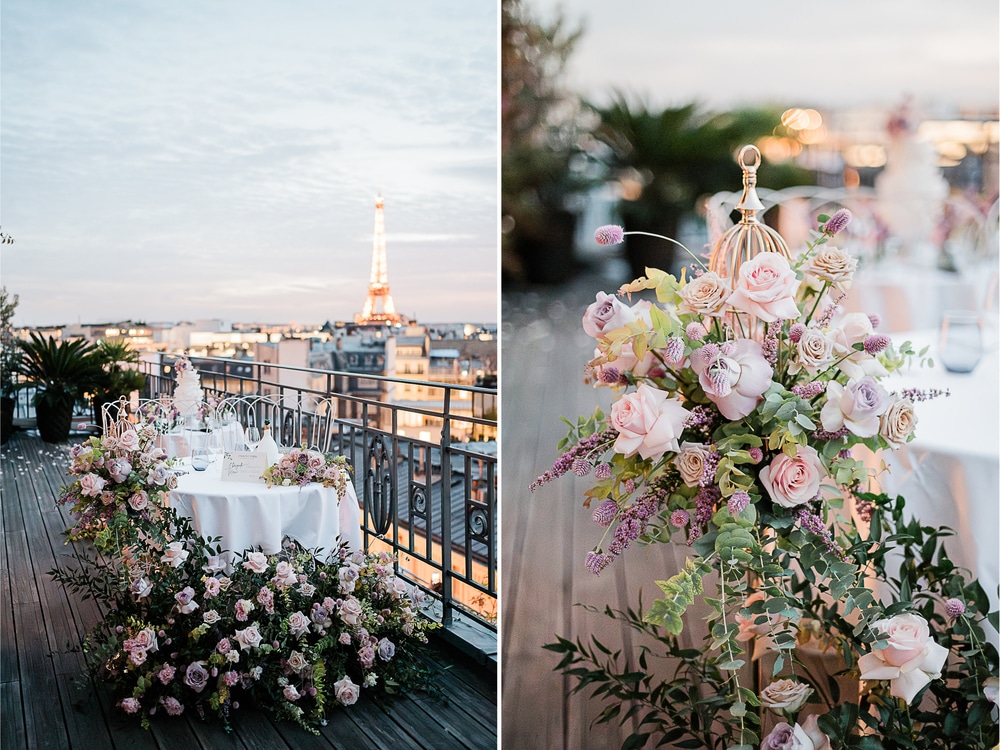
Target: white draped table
[
  {"x": 949, "y": 473},
  {"x": 249, "y": 514}
]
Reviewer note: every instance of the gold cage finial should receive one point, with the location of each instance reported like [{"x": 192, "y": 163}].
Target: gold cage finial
[{"x": 749, "y": 236}]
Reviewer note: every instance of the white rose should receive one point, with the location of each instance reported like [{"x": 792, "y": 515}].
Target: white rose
[
  {"x": 910, "y": 660},
  {"x": 834, "y": 265},
  {"x": 174, "y": 555},
  {"x": 256, "y": 562},
  {"x": 705, "y": 295},
  {"x": 898, "y": 422},
  {"x": 346, "y": 691}
]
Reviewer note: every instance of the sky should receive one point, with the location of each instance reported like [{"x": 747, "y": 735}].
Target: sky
[
  {"x": 166, "y": 161},
  {"x": 851, "y": 53}
]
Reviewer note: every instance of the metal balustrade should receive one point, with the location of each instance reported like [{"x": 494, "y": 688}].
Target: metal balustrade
[{"x": 431, "y": 500}]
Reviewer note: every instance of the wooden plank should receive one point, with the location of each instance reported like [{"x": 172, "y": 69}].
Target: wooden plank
[{"x": 12, "y": 727}]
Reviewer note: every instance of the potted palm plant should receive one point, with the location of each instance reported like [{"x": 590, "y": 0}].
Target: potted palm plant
[
  {"x": 10, "y": 357},
  {"x": 62, "y": 372},
  {"x": 117, "y": 378}
]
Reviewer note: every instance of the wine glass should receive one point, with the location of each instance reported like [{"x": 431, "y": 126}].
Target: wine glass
[
  {"x": 216, "y": 443},
  {"x": 253, "y": 438},
  {"x": 961, "y": 345}
]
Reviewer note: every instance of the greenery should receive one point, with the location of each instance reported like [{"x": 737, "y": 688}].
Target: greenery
[
  {"x": 694, "y": 705},
  {"x": 62, "y": 371},
  {"x": 10, "y": 355}
]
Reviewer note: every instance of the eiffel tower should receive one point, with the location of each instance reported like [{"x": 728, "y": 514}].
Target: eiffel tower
[{"x": 378, "y": 287}]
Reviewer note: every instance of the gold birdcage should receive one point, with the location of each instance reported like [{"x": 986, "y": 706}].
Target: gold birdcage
[{"x": 748, "y": 237}]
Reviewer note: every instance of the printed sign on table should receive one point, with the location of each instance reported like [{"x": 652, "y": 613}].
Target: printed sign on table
[{"x": 243, "y": 466}]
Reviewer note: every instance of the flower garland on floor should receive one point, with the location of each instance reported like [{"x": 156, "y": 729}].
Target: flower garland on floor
[
  {"x": 738, "y": 408},
  {"x": 298, "y": 632}
]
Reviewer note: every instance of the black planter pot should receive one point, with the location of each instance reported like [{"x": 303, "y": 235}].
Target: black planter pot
[
  {"x": 6, "y": 418},
  {"x": 645, "y": 252},
  {"x": 54, "y": 420}
]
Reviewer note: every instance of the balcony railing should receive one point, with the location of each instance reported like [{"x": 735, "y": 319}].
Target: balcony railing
[{"x": 425, "y": 470}]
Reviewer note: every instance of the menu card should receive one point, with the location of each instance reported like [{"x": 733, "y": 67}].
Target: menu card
[{"x": 243, "y": 466}]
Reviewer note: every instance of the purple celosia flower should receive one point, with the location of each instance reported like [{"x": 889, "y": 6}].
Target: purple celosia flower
[
  {"x": 680, "y": 518},
  {"x": 877, "y": 343},
  {"x": 674, "y": 351},
  {"x": 838, "y": 222},
  {"x": 629, "y": 486},
  {"x": 597, "y": 561},
  {"x": 581, "y": 467},
  {"x": 875, "y": 319},
  {"x": 605, "y": 513},
  {"x": 954, "y": 608},
  {"x": 795, "y": 331},
  {"x": 756, "y": 455},
  {"x": 738, "y": 502},
  {"x": 808, "y": 390},
  {"x": 610, "y": 375},
  {"x": 609, "y": 234},
  {"x": 695, "y": 331},
  {"x": 603, "y": 471}
]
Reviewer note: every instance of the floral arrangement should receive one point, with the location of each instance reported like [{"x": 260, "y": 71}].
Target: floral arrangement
[
  {"x": 301, "y": 466},
  {"x": 187, "y": 627},
  {"x": 739, "y": 401},
  {"x": 162, "y": 415},
  {"x": 122, "y": 479}
]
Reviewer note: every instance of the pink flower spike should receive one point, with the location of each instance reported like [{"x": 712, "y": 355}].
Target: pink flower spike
[
  {"x": 609, "y": 234},
  {"x": 838, "y": 222}
]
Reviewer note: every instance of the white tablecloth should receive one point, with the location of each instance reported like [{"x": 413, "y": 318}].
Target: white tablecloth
[
  {"x": 249, "y": 514},
  {"x": 949, "y": 473}
]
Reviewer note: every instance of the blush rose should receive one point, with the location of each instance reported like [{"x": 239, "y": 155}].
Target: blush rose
[
  {"x": 766, "y": 288},
  {"x": 648, "y": 422},
  {"x": 789, "y": 481}
]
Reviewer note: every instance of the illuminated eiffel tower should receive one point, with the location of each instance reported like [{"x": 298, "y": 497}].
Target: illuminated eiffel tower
[{"x": 378, "y": 287}]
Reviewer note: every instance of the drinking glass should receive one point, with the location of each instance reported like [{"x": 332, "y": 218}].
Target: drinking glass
[
  {"x": 961, "y": 345},
  {"x": 200, "y": 459},
  {"x": 253, "y": 438}
]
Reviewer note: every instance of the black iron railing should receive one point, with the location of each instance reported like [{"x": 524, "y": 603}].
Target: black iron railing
[{"x": 424, "y": 470}]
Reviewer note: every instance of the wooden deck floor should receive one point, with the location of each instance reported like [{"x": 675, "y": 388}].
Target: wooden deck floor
[
  {"x": 43, "y": 704},
  {"x": 546, "y": 534}
]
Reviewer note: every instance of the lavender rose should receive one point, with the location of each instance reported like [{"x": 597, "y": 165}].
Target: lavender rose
[
  {"x": 648, "y": 422},
  {"x": 119, "y": 469},
  {"x": 766, "y": 288},
  {"x": 386, "y": 649},
  {"x": 793, "y": 481},
  {"x": 857, "y": 406},
  {"x": 606, "y": 314},
  {"x": 196, "y": 677},
  {"x": 805, "y": 736},
  {"x": 345, "y": 691}
]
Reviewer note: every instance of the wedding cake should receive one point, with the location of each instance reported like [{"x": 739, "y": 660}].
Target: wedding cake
[
  {"x": 911, "y": 189},
  {"x": 188, "y": 394}
]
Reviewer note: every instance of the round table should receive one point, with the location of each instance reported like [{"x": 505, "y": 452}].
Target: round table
[{"x": 250, "y": 514}]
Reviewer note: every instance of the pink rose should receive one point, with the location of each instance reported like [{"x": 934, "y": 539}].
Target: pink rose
[
  {"x": 345, "y": 691},
  {"x": 256, "y": 561},
  {"x": 145, "y": 639},
  {"x": 138, "y": 501},
  {"x": 648, "y": 422},
  {"x": 606, "y": 314},
  {"x": 857, "y": 406},
  {"x": 91, "y": 485},
  {"x": 291, "y": 693},
  {"x": 130, "y": 705},
  {"x": 793, "y": 481},
  {"x": 910, "y": 660},
  {"x": 174, "y": 555},
  {"x": 298, "y": 624},
  {"x": 350, "y": 611},
  {"x": 128, "y": 440},
  {"x": 766, "y": 288},
  {"x": 284, "y": 575},
  {"x": 248, "y": 638},
  {"x": 733, "y": 376}
]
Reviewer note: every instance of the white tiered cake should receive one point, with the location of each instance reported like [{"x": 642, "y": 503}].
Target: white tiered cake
[
  {"x": 188, "y": 394},
  {"x": 911, "y": 190}
]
